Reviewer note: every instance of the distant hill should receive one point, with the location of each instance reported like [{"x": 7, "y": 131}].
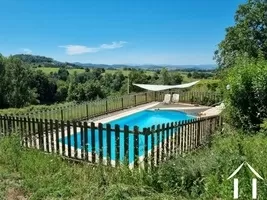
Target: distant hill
[
  {"x": 50, "y": 62},
  {"x": 43, "y": 61},
  {"x": 154, "y": 67}
]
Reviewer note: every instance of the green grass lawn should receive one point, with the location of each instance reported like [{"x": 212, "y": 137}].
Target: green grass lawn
[{"x": 48, "y": 70}]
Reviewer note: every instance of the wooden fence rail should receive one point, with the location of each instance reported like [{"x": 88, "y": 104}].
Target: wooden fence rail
[
  {"x": 202, "y": 98},
  {"x": 88, "y": 110},
  {"x": 112, "y": 145},
  {"x": 91, "y": 109}
]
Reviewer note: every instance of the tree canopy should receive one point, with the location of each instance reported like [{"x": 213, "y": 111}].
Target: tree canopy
[
  {"x": 22, "y": 84},
  {"x": 248, "y": 37}
]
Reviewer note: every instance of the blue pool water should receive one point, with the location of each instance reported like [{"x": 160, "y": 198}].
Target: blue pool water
[{"x": 143, "y": 119}]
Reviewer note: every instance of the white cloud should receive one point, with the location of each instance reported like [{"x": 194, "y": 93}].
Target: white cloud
[
  {"x": 114, "y": 45},
  {"x": 26, "y": 51},
  {"x": 80, "y": 49}
]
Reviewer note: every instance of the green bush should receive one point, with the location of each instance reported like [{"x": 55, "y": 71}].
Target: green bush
[{"x": 246, "y": 100}]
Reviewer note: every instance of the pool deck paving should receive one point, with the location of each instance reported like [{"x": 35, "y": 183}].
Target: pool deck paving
[{"x": 188, "y": 108}]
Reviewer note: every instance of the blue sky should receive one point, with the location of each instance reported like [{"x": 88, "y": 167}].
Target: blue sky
[{"x": 116, "y": 31}]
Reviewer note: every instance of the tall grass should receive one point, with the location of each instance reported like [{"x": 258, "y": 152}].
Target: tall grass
[{"x": 199, "y": 175}]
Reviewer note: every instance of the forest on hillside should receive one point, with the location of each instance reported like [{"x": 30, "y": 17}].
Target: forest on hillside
[{"x": 24, "y": 84}]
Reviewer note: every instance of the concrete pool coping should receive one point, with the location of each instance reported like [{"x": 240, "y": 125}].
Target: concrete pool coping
[
  {"x": 189, "y": 109},
  {"x": 125, "y": 113}
]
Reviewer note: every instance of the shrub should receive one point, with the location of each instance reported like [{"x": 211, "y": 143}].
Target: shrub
[{"x": 246, "y": 99}]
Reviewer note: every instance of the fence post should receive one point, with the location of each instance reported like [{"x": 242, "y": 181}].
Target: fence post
[
  {"x": 163, "y": 143},
  {"x": 167, "y": 144},
  {"x": 46, "y": 136},
  {"x": 146, "y": 97},
  {"x": 85, "y": 143},
  {"x": 179, "y": 142},
  {"x": 52, "y": 145},
  {"x": 108, "y": 144},
  {"x": 173, "y": 141},
  {"x": 187, "y": 135},
  {"x": 126, "y": 145},
  {"x": 93, "y": 141},
  {"x": 33, "y": 131},
  {"x": 183, "y": 137},
  {"x": 5, "y": 126},
  {"x": 195, "y": 133},
  {"x": 63, "y": 146},
  {"x": 211, "y": 120},
  {"x": 100, "y": 133},
  {"x": 57, "y": 136},
  {"x": 158, "y": 144},
  {"x": 87, "y": 111},
  {"x": 117, "y": 145},
  {"x": 136, "y": 146},
  {"x": 135, "y": 100},
  {"x": 68, "y": 139},
  {"x": 40, "y": 134},
  {"x": 9, "y": 125},
  {"x": 75, "y": 139},
  {"x": 152, "y": 156},
  {"x": 106, "y": 106},
  {"x": 190, "y": 134},
  {"x": 61, "y": 112},
  {"x": 122, "y": 103},
  {"x": 198, "y": 132},
  {"x": 146, "y": 132}
]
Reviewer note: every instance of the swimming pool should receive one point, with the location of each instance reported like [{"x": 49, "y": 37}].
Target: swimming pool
[{"x": 142, "y": 119}]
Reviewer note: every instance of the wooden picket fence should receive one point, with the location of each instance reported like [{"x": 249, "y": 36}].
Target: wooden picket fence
[
  {"x": 201, "y": 98},
  {"x": 112, "y": 145},
  {"x": 91, "y": 109}
]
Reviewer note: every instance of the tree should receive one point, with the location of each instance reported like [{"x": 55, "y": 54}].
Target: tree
[
  {"x": 189, "y": 75},
  {"x": 62, "y": 91},
  {"x": 176, "y": 78},
  {"x": 137, "y": 76},
  {"x": 246, "y": 99},
  {"x": 63, "y": 74},
  {"x": 46, "y": 87},
  {"x": 90, "y": 90},
  {"x": 106, "y": 81},
  {"x": 17, "y": 79},
  {"x": 71, "y": 90},
  {"x": 83, "y": 77},
  {"x": 117, "y": 82},
  {"x": 93, "y": 90},
  {"x": 155, "y": 76},
  {"x": 248, "y": 37},
  {"x": 97, "y": 73},
  {"x": 166, "y": 78},
  {"x": 2, "y": 82}
]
